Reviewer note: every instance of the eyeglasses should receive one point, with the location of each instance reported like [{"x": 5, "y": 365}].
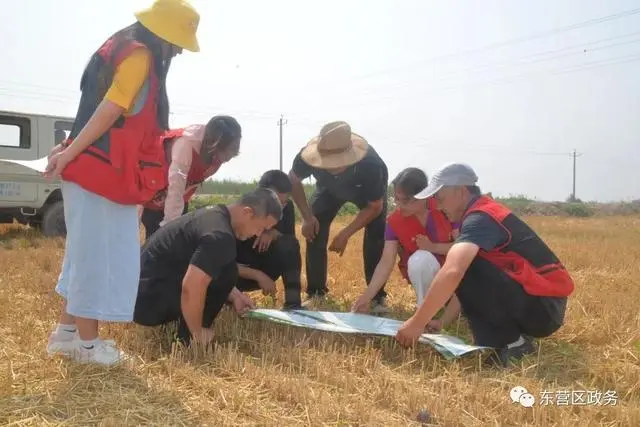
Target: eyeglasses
[{"x": 404, "y": 200}]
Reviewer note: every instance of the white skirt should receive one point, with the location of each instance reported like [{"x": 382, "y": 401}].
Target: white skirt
[{"x": 101, "y": 265}]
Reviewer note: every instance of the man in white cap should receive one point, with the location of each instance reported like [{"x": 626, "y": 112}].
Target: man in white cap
[
  {"x": 346, "y": 169},
  {"x": 510, "y": 284}
]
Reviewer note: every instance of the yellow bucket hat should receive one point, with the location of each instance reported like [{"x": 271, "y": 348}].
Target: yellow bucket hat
[{"x": 174, "y": 21}]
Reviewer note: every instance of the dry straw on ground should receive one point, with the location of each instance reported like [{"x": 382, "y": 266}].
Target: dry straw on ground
[{"x": 267, "y": 374}]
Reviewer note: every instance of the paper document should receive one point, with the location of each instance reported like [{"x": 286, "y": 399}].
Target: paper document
[
  {"x": 37, "y": 165},
  {"x": 355, "y": 323}
]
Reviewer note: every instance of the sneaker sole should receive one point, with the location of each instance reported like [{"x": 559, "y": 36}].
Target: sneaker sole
[{"x": 53, "y": 350}]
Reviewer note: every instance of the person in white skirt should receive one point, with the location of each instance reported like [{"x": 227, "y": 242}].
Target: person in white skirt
[
  {"x": 421, "y": 235},
  {"x": 109, "y": 164}
]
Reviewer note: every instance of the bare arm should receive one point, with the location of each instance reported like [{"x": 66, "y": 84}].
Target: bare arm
[
  {"x": 298, "y": 196},
  {"x": 249, "y": 273},
  {"x": 102, "y": 119},
  {"x": 440, "y": 248},
  {"x": 364, "y": 217},
  {"x": 451, "y": 311},
  {"x": 383, "y": 269},
  {"x": 194, "y": 291},
  {"x": 234, "y": 294}
]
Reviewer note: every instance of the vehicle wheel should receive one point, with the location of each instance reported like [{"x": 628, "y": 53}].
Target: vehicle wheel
[{"x": 53, "y": 224}]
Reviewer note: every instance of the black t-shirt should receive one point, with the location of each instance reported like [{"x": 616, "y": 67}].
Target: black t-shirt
[
  {"x": 482, "y": 230},
  {"x": 203, "y": 238},
  {"x": 287, "y": 224},
  {"x": 363, "y": 182}
]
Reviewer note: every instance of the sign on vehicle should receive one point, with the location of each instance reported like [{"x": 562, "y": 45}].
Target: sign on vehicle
[{"x": 10, "y": 189}]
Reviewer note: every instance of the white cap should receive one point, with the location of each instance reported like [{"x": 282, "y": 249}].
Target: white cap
[{"x": 451, "y": 175}]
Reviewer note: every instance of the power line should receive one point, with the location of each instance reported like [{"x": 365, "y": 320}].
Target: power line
[
  {"x": 188, "y": 110},
  {"x": 493, "y": 46},
  {"x": 507, "y": 79},
  {"x": 578, "y": 49}
]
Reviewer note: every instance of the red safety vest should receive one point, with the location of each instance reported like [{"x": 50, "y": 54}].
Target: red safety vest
[
  {"x": 198, "y": 172},
  {"x": 124, "y": 165},
  {"x": 524, "y": 257},
  {"x": 407, "y": 228}
]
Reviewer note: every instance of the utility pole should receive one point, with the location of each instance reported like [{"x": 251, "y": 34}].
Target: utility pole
[
  {"x": 281, "y": 123},
  {"x": 573, "y": 193}
]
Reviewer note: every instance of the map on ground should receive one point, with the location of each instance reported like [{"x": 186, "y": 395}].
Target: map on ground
[{"x": 355, "y": 323}]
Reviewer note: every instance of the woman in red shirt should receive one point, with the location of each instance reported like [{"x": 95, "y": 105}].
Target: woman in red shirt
[{"x": 421, "y": 235}]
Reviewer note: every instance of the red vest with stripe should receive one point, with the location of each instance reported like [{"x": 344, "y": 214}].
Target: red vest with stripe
[
  {"x": 406, "y": 228},
  {"x": 124, "y": 165},
  {"x": 198, "y": 172},
  {"x": 525, "y": 258}
]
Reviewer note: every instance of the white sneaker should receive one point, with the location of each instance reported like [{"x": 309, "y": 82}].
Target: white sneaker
[
  {"x": 61, "y": 343},
  {"x": 102, "y": 353}
]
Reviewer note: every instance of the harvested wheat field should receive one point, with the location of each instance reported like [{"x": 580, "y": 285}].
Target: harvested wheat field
[{"x": 269, "y": 374}]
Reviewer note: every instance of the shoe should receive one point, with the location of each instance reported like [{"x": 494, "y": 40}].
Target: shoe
[
  {"x": 503, "y": 357},
  {"x": 293, "y": 306},
  {"x": 61, "y": 343},
  {"x": 102, "y": 353},
  {"x": 379, "y": 306}
]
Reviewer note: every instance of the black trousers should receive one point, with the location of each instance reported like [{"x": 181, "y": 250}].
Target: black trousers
[
  {"x": 325, "y": 207},
  {"x": 159, "y": 301},
  {"x": 499, "y": 310},
  {"x": 282, "y": 259},
  {"x": 151, "y": 219}
]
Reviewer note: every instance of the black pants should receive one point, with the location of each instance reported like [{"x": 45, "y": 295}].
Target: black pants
[
  {"x": 159, "y": 301},
  {"x": 499, "y": 310},
  {"x": 325, "y": 207},
  {"x": 282, "y": 259},
  {"x": 151, "y": 219}
]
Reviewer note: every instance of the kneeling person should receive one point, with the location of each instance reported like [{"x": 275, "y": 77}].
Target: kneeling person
[
  {"x": 510, "y": 284},
  {"x": 421, "y": 235},
  {"x": 276, "y": 252},
  {"x": 188, "y": 267}
]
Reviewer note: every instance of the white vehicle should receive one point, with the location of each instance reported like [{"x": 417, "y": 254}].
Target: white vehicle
[{"x": 25, "y": 195}]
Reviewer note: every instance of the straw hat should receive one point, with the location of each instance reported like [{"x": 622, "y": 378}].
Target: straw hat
[
  {"x": 335, "y": 147},
  {"x": 174, "y": 21}
]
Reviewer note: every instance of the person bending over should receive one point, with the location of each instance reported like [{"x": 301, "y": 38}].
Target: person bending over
[
  {"x": 346, "y": 169},
  {"x": 188, "y": 267},
  {"x": 421, "y": 235},
  {"x": 276, "y": 252},
  {"x": 192, "y": 154}
]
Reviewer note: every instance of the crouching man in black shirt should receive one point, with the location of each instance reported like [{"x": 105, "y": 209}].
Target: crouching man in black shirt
[
  {"x": 276, "y": 252},
  {"x": 188, "y": 267}
]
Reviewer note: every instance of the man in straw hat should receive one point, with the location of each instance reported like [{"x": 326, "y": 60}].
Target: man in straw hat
[
  {"x": 510, "y": 284},
  {"x": 346, "y": 169}
]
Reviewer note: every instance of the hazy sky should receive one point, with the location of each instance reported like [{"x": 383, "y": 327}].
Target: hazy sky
[{"x": 510, "y": 87}]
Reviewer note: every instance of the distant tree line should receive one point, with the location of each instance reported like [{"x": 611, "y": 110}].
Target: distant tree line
[{"x": 225, "y": 191}]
